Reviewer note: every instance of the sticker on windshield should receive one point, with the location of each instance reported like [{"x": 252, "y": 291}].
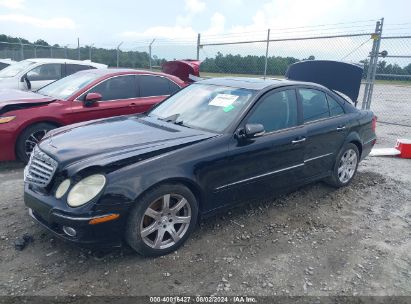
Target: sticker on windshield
[
  {"x": 228, "y": 108},
  {"x": 223, "y": 100}
]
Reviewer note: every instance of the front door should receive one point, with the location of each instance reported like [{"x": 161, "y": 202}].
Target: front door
[
  {"x": 274, "y": 161},
  {"x": 44, "y": 74},
  {"x": 119, "y": 97}
]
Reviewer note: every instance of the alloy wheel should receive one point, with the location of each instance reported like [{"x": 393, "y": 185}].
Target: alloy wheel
[
  {"x": 165, "y": 221},
  {"x": 33, "y": 140},
  {"x": 347, "y": 166}
]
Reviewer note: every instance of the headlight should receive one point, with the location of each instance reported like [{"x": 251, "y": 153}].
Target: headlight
[
  {"x": 62, "y": 188},
  {"x": 6, "y": 119},
  {"x": 85, "y": 190}
]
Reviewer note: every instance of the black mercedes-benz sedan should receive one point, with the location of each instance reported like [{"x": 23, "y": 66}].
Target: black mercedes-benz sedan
[{"x": 146, "y": 179}]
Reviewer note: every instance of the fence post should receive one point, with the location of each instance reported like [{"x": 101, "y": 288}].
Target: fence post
[
  {"x": 118, "y": 52},
  {"x": 35, "y": 51},
  {"x": 198, "y": 46},
  {"x": 149, "y": 53},
  {"x": 78, "y": 48},
  {"x": 21, "y": 49},
  {"x": 89, "y": 51},
  {"x": 266, "y": 53},
  {"x": 51, "y": 51},
  {"x": 372, "y": 66},
  {"x": 65, "y": 51}
]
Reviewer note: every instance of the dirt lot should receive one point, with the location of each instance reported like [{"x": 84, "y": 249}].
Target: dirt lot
[{"x": 315, "y": 241}]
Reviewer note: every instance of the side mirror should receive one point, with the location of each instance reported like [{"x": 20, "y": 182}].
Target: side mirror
[
  {"x": 253, "y": 130},
  {"x": 92, "y": 98}
]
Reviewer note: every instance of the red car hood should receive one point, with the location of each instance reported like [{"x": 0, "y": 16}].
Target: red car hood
[{"x": 16, "y": 99}]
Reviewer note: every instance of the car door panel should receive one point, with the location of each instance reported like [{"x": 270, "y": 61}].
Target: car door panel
[{"x": 272, "y": 162}]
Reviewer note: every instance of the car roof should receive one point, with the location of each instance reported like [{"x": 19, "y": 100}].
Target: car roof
[
  {"x": 117, "y": 71},
  {"x": 62, "y": 60},
  {"x": 251, "y": 83}
]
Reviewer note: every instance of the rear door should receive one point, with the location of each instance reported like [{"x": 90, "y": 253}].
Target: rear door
[
  {"x": 326, "y": 126},
  {"x": 119, "y": 97},
  {"x": 273, "y": 161},
  {"x": 73, "y": 68},
  {"x": 153, "y": 89}
]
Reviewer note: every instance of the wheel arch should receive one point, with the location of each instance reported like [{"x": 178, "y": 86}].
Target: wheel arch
[
  {"x": 355, "y": 139},
  {"x": 56, "y": 123},
  {"x": 190, "y": 184}
]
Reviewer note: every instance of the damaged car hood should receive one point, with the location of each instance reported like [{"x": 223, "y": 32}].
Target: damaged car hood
[
  {"x": 121, "y": 139},
  {"x": 11, "y": 99}
]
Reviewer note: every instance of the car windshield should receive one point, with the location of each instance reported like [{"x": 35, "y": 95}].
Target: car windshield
[
  {"x": 201, "y": 106},
  {"x": 67, "y": 86},
  {"x": 14, "y": 69}
]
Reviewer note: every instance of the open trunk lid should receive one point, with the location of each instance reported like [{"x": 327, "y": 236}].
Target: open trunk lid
[
  {"x": 334, "y": 75},
  {"x": 182, "y": 68}
]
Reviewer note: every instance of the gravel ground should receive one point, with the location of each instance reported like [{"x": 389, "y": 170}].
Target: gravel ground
[{"x": 315, "y": 241}]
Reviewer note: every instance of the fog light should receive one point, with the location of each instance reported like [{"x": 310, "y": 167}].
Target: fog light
[{"x": 69, "y": 231}]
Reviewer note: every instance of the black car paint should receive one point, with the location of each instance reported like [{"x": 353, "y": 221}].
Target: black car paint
[{"x": 220, "y": 169}]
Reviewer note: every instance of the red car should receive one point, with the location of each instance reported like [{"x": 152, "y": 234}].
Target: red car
[{"x": 25, "y": 117}]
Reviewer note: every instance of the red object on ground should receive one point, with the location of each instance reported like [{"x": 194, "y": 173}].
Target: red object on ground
[
  {"x": 182, "y": 68},
  {"x": 404, "y": 146}
]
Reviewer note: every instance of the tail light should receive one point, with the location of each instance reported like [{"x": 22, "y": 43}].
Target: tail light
[{"x": 374, "y": 123}]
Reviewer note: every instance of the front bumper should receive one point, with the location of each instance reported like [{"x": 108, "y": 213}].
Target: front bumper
[{"x": 46, "y": 211}]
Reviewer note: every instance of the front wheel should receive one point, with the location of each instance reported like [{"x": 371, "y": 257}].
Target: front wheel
[
  {"x": 29, "y": 138},
  {"x": 345, "y": 166},
  {"x": 162, "y": 220}
]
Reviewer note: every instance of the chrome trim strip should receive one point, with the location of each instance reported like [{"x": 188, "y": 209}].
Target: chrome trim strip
[
  {"x": 258, "y": 176},
  {"x": 317, "y": 157},
  {"x": 66, "y": 217}
]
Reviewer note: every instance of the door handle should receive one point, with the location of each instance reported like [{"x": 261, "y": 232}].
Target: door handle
[
  {"x": 340, "y": 128},
  {"x": 296, "y": 141},
  {"x": 132, "y": 104}
]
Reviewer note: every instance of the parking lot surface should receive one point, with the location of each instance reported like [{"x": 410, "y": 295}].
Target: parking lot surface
[{"x": 314, "y": 241}]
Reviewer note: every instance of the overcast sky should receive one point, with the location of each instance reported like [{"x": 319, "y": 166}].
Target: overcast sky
[{"x": 106, "y": 23}]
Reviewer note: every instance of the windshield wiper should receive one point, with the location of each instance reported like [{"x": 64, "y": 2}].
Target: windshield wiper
[{"x": 171, "y": 118}]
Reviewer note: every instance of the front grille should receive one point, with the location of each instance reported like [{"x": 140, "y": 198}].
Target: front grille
[{"x": 40, "y": 169}]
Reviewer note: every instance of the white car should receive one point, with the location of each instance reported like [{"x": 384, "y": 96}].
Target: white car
[
  {"x": 5, "y": 63},
  {"x": 35, "y": 73}
]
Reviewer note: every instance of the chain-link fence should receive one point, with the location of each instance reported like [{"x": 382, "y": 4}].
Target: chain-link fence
[{"x": 386, "y": 87}]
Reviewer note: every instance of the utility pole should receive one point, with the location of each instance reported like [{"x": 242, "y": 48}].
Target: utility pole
[
  {"x": 78, "y": 48},
  {"x": 118, "y": 53},
  {"x": 149, "y": 53},
  {"x": 372, "y": 66},
  {"x": 198, "y": 46},
  {"x": 266, "y": 53}
]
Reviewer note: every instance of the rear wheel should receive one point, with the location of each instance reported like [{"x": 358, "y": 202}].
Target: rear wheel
[
  {"x": 162, "y": 220},
  {"x": 345, "y": 166},
  {"x": 29, "y": 138}
]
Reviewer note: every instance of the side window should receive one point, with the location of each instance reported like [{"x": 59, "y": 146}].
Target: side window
[
  {"x": 3, "y": 65},
  {"x": 173, "y": 87},
  {"x": 315, "y": 104},
  {"x": 276, "y": 111},
  {"x": 51, "y": 71},
  {"x": 73, "y": 68},
  {"x": 153, "y": 86},
  {"x": 121, "y": 87},
  {"x": 335, "y": 107}
]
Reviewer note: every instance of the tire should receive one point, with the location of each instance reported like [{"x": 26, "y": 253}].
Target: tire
[
  {"x": 29, "y": 138},
  {"x": 345, "y": 169},
  {"x": 150, "y": 224}
]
